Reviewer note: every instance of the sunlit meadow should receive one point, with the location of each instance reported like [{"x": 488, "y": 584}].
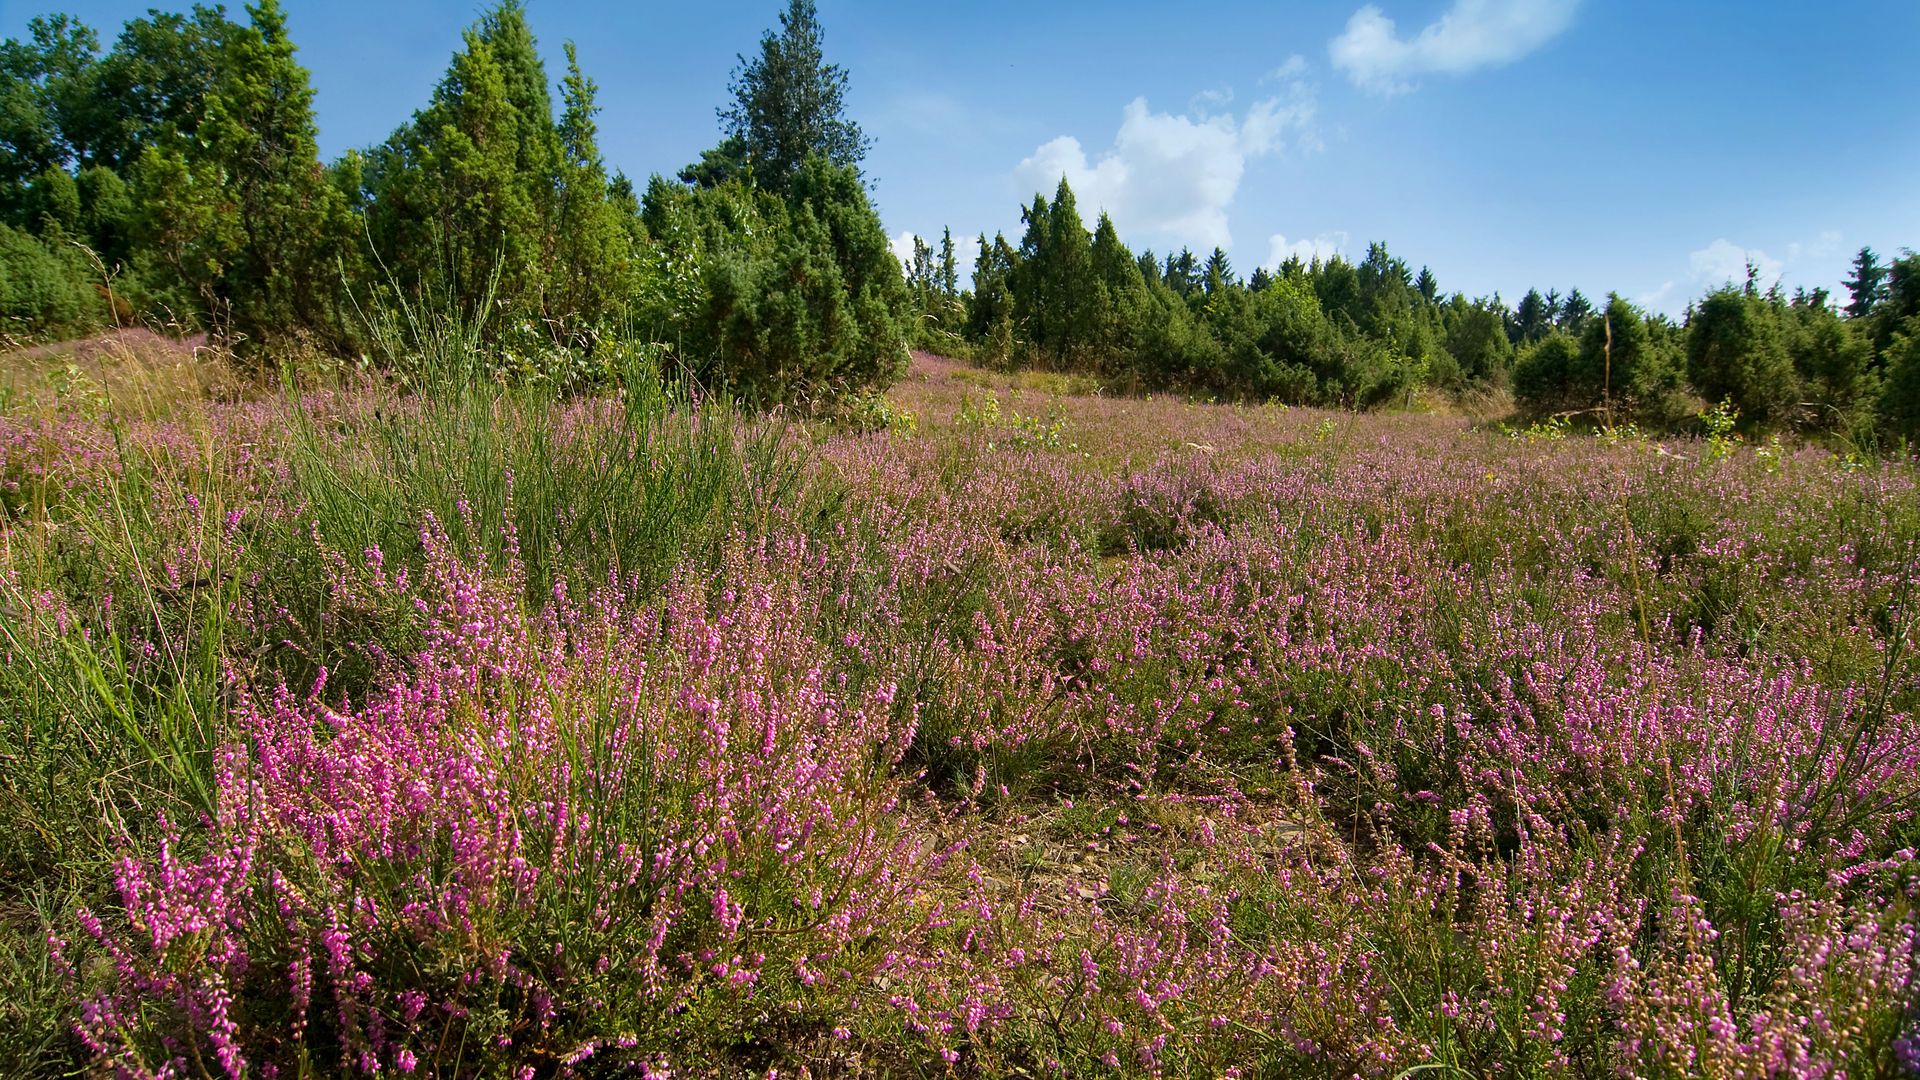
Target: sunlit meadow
[{"x": 997, "y": 727}]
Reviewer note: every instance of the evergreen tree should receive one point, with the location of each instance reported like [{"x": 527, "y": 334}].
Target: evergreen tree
[
  {"x": 947, "y": 270},
  {"x": 1574, "y": 312},
  {"x": 790, "y": 104},
  {"x": 451, "y": 209},
  {"x": 717, "y": 165},
  {"x": 1833, "y": 358},
  {"x": 1531, "y": 319},
  {"x": 1074, "y": 308},
  {"x": 1182, "y": 273},
  {"x": 1427, "y": 286},
  {"x": 990, "y": 313},
  {"x": 1867, "y": 285},
  {"x": 1476, "y": 339},
  {"x": 1218, "y": 274},
  {"x": 1900, "y": 400},
  {"x": 592, "y": 249},
  {"x": 1547, "y": 376},
  {"x": 1899, "y": 300},
  {"x": 1121, "y": 293},
  {"x": 240, "y": 212},
  {"x": 1737, "y": 351}
]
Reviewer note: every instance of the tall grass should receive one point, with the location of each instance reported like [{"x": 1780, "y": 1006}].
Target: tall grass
[{"x": 156, "y": 565}]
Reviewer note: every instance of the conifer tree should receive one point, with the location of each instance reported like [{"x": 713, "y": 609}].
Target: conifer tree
[
  {"x": 589, "y": 279},
  {"x": 789, "y": 104},
  {"x": 1218, "y": 274},
  {"x": 1867, "y": 285},
  {"x": 1427, "y": 286},
  {"x": 240, "y": 211},
  {"x": 947, "y": 271},
  {"x": 1574, "y": 311},
  {"x": 452, "y": 210},
  {"x": 1736, "y": 350}
]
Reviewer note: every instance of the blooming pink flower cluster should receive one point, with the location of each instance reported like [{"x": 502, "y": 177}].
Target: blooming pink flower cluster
[{"x": 1227, "y": 742}]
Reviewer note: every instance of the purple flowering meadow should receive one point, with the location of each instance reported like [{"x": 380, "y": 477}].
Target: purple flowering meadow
[{"x": 1024, "y": 731}]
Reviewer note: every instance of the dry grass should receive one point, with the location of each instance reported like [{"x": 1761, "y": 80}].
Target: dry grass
[{"x": 129, "y": 373}]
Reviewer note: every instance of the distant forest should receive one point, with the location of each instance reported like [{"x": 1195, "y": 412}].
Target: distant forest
[{"x": 173, "y": 179}]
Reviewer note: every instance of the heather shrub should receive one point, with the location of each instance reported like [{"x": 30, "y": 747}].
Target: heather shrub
[
  {"x": 1400, "y": 747},
  {"x": 605, "y": 830}
]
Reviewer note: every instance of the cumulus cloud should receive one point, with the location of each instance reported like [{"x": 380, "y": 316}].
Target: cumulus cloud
[
  {"x": 966, "y": 250},
  {"x": 902, "y": 246},
  {"x": 1323, "y": 246},
  {"x": 1471, "y": 34},
  {"x": 1175, "y": 176},
  {"x": 1723, "y": 261}
]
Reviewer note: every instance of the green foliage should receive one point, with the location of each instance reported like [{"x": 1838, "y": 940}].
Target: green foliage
[
  {"x": 1737, "y": 350},
  {"x": 449, "y": 207},
  {"x": 1547, "y": 376},
  {"x": 1900, "y": 401},
  {"x": 45, "y": 291},
  {"x": 778, "y": 299},
  {"x": 592, "y": 262},
  {"x": 1834, "y": 361},
  {"x": 789, "y": 105},
  {"x": 1867, "y": 287},
  {"x": 1057, "y": 299}
]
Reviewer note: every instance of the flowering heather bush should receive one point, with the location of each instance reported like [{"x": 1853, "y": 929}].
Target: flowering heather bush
[
  {"x": 641, "y": 832},
  {"x": 1192, "y": 741}
]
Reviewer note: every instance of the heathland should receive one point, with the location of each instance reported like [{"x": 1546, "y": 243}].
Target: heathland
[
  {"x": 1005, "y": 726},
  {"x": 466, "y": 614}
]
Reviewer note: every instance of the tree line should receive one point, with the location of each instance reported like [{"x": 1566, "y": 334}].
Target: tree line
[
  {"x": 175, "y": 178},
  {"x": 1332, "y": 332}
]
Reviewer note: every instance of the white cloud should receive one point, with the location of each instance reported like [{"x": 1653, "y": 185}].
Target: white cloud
[
  {"x": 966, "y": 250},
  {"x": 1826, "y": 245},
  {"x": 1323, "y": 247},
  {"x": 1471, "y": 34},
  {"x": 1293, "y": 67},
  {"x": 1660, "y": 299},
  {"x": 1723, "y": 261},
  {"x": 902, "y": 246},
  {"x": 1206, "y": 102},
  {"x": 1175, "y": 176}
]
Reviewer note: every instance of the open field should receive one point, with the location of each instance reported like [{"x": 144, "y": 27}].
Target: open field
[{"x": 1030, "y": 732}]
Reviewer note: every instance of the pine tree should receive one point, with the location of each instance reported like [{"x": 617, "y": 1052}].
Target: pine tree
[
  {"x": 1574, "y": 311},
  {"x": 590, "y": 268},
  {"x": 1182, "y": 273},
  {"x": 1867, "y": 286},
  {"x": 947, "y": 271},
  {"x": 1217, "y": 277},
  {"x": 1532, "y": 320},
  {"x": 1427, "y": 286},
  {"x": 790, "y": 104}
]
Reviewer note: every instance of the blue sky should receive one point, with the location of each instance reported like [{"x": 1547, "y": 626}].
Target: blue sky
[{"x": 1645, "y": 147}]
